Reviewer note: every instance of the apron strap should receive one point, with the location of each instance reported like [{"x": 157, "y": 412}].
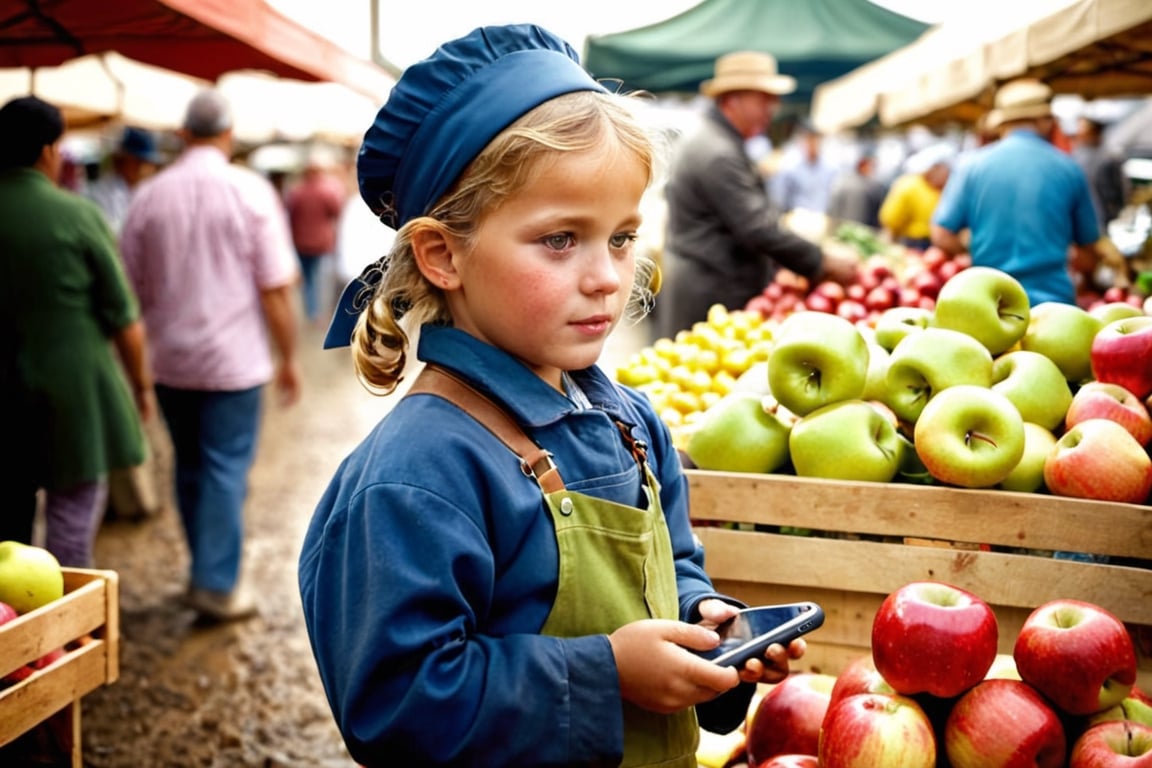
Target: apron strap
[{"x": 534, "y": 460}]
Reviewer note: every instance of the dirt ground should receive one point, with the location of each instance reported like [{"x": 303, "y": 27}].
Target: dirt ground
[{"x": 242, "y": 694}]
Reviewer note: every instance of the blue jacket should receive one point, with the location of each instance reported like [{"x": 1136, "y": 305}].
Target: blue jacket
[
  {"x": 431, "y": 565},
  {"x": 1025, "y": 202}
]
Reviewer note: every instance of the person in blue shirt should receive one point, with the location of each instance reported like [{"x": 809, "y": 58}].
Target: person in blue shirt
[
  {"x": 503, "y": 572},
  {"x": 1026, "y": 205}
]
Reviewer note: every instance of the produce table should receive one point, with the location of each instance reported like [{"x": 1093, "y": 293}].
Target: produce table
[
  {"x": 86, "y": 623},
  {"x": 875, "y": 537}
]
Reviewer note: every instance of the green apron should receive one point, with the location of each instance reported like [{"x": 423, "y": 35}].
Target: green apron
[{"x": 616, "y": 566}]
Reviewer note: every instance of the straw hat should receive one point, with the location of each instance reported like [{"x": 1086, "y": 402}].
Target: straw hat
[
  {"x": 1024, "y": 99},
  {"x": 747, "y": 71}
]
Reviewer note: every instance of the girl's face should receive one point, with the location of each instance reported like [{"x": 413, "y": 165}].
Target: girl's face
[{"x": 552, "y": 267}]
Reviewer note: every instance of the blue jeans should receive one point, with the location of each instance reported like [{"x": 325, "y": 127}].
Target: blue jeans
[
  {"x": 311, "y": 277},
  {"x": 214, "y": 437}
]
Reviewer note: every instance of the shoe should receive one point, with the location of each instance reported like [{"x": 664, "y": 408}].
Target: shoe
[{"x": 221, "y": 606}]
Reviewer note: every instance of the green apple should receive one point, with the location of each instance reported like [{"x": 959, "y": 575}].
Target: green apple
[
  {"x": 1028, "y": 474},
  {"x": 895, "y": 323},
  {"x": 989, "y": 305},
  {"x": 912, "y": 469},
  {"x": 1063, "y": 333},
  {"x": 817, "y": 358},
  {"x": 30, "y": 576},
  {"x": 1034, "y": 384},
  {"x": 969, "y": 436},
  {"x": 846, "y": 440},
  {"x": 1115, "y": 310},
  {"x": 876, "y": 382},
  {"x": 1131, "y": 709},
  {"x": 930, "y": 361},
  {"x": 755, "y": 379},
  {"x": 739, "y": 434}
]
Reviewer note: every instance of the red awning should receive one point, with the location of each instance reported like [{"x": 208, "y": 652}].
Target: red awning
[{"x": 203, "y": 38}]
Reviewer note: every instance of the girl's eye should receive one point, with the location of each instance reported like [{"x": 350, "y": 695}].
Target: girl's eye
[
  {"x": 622, "y": 239},
  {"x": 559, "y": 241}
]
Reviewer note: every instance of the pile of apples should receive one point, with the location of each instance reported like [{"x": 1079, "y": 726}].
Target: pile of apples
[
  {"x": 934, "y": 691},
  {"x": 982, "y": 391},
  {"x": 913, "y": 279},
  {"x": 685, "y": 375},
  {"x": 30, "y": 577}
]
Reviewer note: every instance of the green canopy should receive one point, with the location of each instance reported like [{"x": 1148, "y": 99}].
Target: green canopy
[{"x": 812, "y": 40}]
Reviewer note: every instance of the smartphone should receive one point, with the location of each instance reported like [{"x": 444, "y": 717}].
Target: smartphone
[{"x": 749, "y": 633}]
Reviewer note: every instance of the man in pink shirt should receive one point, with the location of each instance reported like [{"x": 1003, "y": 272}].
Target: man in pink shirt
[
  {"x": 206, "y": 247},
  {"x": 314, "y": 206}
]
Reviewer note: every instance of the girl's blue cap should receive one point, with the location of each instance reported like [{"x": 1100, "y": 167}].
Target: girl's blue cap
[{"x": 440, "y": 114}]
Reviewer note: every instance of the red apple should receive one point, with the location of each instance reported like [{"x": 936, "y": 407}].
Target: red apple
[
  {"x": 931, "y": 637},
  {"x": 1122, "y": 354},
  {"x": 831, "y": 289},
  {"x": 787, "y": 720},
  {"x": 1099, "y": 459},
  {"x": 1077, "y": 654},
  {"x": 1004, "y": 724},
  {"x": 818, "y": 302},
  {"x": 859, "y": 676},
  {"x": 1102, "y": 400},
  {"x": 874, "y": 729},
  {"x": 1114, "y": 744},
  {"x": 791, "y": 761}
]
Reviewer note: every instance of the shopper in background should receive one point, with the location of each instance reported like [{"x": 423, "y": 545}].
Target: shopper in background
[
  {"x": 804, "y": 181},
  {"x": 207, "y": 248},
  {"x": 314, "y": 205},
  {"x": 69, "y": 416},
  {"x": 857, "y": 194},
  {"x": 1024, "y": 202},
  {"x": 906, "y": 213},
  {"x": 723, "y": 243},
  {"x": 135, "y": 159},
  {"x": 1104, "y": 169}
]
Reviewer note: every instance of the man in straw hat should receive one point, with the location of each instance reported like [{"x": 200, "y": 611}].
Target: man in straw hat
[
  {"x": 722, "y": 242},
  {"x": 1026, "y": 204}
]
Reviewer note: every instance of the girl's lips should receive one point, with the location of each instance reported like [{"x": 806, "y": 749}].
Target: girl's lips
[{"x": 594, "y": 324}]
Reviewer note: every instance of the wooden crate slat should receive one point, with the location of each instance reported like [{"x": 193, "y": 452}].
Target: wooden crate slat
[
  {"x": 1022, "y": 520},
  {"x": 34, "y": 634},
  {"x": 33, "y": 700},
  {"x": 865, "y": 566}
]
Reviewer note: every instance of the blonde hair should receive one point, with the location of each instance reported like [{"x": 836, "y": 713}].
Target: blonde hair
[{"x": 403, "y": 300}]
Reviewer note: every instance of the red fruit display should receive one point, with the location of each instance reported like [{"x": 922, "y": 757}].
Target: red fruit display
[
  {"x": 1114, "y": 744},
  {"x": 1099, "y": 459},
  {"x": 1004, "y": 724},
  {"x": 931, "y": 637},
  {"x": 859, "y": 676},
  {"x": 787, "y": 720},
  {"x": 791, "y": 761},
  {"x": 1122, "y": 354},
  {"x": 1102, "y": 400},
  {"x": 874, "y": 729},
  {"x": 1077, "y": 654}
]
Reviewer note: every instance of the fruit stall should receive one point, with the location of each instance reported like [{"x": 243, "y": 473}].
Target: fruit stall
[
  {"x": 848, "y": 545},
  {"x": 52, "y": 656},
  {"x": 926, "y": 425}
]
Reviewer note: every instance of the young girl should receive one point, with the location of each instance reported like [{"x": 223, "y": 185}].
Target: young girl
[{"x": 503, "y": 572}]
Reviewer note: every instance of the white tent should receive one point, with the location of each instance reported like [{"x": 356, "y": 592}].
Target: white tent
[
  {"x": 1093, "y": 48},
  {"x": 112, "y": 88}
]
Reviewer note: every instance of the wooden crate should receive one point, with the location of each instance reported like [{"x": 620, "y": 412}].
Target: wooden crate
[
  {"x": 996, "y": 544},
  {"x": 86, "y": 622}
]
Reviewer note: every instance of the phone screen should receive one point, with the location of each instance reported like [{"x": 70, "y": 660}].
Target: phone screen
[{"x": 750, "y": 632}]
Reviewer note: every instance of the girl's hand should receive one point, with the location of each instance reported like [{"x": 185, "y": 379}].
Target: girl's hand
[
  {"x": 774, "y": 666},
  {"x": 659, "y": 672}
]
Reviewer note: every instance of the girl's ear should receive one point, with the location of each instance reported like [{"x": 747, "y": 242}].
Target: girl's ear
[{"x": 434, "y": 257}]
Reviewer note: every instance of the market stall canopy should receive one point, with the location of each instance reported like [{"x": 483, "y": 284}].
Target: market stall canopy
[
  {"x": 1093, "y": 48},
  {"x": 813, "y": 41},
  {"x": 201, "y": 38},
  {"x": 110, "y": 88}
]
